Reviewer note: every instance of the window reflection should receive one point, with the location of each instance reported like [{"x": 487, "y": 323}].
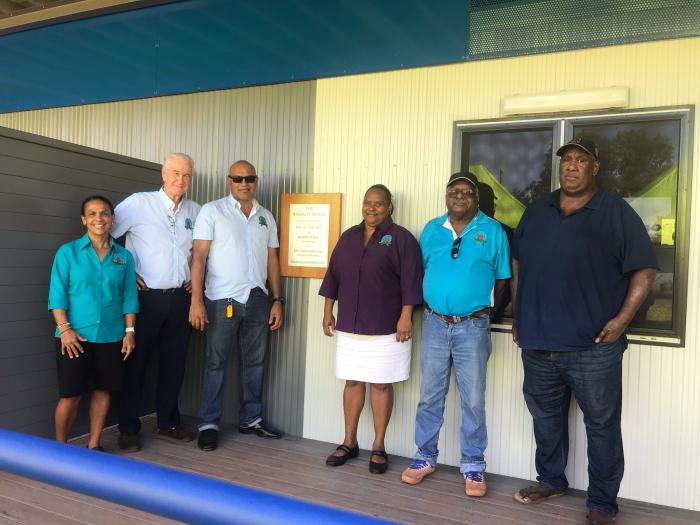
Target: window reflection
[
  {"x": 639, "y": 162},
  {"x": 514, "y": 168}
]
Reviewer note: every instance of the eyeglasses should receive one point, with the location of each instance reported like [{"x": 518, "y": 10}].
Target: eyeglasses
[
  {"x": 462, "y": 194},
  {"x": 455, "y": 247},
  {"x": 250, "y": 179}
]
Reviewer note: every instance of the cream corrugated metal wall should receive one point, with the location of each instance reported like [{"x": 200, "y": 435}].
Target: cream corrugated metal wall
[
  {"x": 397, "y": 128},
  {"x": 271, "y": 126}
]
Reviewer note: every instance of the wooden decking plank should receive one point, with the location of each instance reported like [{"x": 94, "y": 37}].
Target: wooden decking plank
[
  {"x": 431, "y": 491},
  {"x": 83, "y": 499},
  {"x": 244, "y": 468},
  {"x": 65, "y": 504},
  {"x": 26, "y": 513},
  {"x": 259, "y": 452},
  {"x": 296, "y": 467}
]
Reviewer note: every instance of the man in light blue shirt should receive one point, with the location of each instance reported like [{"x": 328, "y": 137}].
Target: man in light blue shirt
[
  {"x": 236, "y": 242},
  {"x": 465, "y": 254}
]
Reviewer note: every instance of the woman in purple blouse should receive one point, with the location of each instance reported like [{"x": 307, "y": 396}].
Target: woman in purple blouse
[{"x": 375, "y": 274}]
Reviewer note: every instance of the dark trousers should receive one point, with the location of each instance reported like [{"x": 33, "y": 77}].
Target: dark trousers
[
  {"x": 162, "y": 328},
  {"x": 594, "y": 376}
]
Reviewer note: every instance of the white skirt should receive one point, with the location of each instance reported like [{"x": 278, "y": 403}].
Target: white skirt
[{"x": 372, "y": 358}]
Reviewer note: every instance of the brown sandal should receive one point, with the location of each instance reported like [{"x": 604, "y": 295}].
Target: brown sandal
[{"x": 536, "y": 494}]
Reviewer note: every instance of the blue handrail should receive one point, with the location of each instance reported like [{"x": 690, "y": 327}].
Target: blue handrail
[{"x": 160, "y": 490}]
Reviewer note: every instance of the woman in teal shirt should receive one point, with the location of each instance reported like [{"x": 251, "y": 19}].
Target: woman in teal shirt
[{"x": 93, "y": 299}]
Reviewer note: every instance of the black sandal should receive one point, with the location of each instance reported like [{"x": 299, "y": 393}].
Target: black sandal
[
  {"x": 350, "y": 453},
  {"x": 378, "y": 468}
]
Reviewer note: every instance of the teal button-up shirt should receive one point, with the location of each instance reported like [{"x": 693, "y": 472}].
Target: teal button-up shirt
[
  {"x": 95, "y": 294},
  {"x": 462, "y": 285}
]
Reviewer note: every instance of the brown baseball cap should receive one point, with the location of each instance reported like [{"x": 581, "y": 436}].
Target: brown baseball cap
[{"x": 579, "y": 142}]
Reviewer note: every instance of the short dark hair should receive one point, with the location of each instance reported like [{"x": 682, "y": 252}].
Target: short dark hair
[
  {"x": 387, "y": 195},
  {"x": 97, "y": 198}
]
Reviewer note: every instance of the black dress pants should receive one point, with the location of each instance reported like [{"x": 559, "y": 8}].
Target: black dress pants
[{"x": 163, "y": 329}]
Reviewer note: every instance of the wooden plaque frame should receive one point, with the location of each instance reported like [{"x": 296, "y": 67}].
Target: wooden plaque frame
[{"x": 334, "y": 200}]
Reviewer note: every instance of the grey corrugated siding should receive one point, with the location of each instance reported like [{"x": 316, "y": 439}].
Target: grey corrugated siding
[{"x": 42, "y": 183}]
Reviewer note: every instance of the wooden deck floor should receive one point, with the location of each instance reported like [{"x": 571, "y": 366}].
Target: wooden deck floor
[{"x": 295, "y": 467}]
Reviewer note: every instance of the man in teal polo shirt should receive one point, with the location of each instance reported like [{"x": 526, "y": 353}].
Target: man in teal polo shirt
[{"x": 465, "y": 255}]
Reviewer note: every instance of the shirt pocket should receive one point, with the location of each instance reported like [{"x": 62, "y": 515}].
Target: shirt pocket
[
  {"x": 113, "y": 282},
  {"x": 258, "y": 236}
]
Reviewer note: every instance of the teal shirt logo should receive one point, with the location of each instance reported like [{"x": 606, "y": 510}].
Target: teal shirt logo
[
  {"x": 262, "y": 221},
  {"x": 189, "y": 224},
  {"x": 386, "y": 240}
]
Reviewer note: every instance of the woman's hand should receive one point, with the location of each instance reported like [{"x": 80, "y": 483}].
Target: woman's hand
[
  {"x": 128, "y": 344},
  {"x": 70, "y": 343},
  {"x": 404, "y": 328},
  {"x": 328, "y": 324}
]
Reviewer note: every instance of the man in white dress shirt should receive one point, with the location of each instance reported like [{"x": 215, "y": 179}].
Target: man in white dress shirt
[
  {"x": 159, "y": 227},
  {"x": 236, "y": 242}
]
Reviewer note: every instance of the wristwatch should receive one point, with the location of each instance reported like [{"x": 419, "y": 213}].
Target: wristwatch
[{"x": 281, "y": 299}]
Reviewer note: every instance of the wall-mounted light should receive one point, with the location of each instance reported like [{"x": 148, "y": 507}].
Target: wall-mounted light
[{"x": 562, "y": 101}]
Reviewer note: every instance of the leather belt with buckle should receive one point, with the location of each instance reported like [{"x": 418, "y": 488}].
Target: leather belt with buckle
[
  {"x": 163, "y": 290},
  {"x": 457, "y": 318}
]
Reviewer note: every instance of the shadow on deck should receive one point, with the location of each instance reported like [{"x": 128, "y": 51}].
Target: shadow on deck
[{"x": 295, "y": 467}]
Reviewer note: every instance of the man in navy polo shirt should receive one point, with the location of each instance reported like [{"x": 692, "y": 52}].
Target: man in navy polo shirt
[
  {"x": 582, "y": 266},
  {"x": 465, "y": 253}
]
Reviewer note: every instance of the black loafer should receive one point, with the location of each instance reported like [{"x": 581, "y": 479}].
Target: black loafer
[
  {"x": 178, "y": 433},
  {"x": 129, "y": 442},
  {"x": 378, "y": 468},
  {"x": 350, "y": 453},
  {"x": 208, "y": 439},
  {"x": 259, "y": 430}
]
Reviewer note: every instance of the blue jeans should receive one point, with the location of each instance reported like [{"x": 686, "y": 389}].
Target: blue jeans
[
  {"x": 246, "y": 331},
  {"x": 467, "y": 347},
  {"x": 594, "y": 376}
]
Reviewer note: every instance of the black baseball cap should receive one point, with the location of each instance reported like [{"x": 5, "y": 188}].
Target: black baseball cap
[
  {"x": 579, "y": 142},
  {"x": 463, "y": 175}
]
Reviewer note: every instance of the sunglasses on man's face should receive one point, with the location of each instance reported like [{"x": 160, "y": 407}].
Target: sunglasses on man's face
[
  {"x": 455, "y": 247},
  {"x": 250, "y": 179}
]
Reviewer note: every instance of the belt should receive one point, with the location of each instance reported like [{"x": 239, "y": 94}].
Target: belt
[
  {"x": 458, "y": 319},
  {"x": 162, "y": 290}
]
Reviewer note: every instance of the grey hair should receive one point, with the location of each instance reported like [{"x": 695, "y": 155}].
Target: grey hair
[{"x": 183, "y": 156}]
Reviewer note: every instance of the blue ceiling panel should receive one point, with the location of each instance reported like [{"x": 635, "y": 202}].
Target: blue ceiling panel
[{"x": 196, "y": 45}]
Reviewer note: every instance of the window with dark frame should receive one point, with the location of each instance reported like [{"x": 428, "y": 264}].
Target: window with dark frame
[{"x": 641, "y": 161}]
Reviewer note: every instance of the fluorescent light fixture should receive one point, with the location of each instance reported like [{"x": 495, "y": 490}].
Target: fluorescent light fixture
[{"x": 563, "y": 101}]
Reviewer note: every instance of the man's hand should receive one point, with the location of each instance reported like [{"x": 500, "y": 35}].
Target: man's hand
[
  {"x": 128, "y": 344},
  {"x": 198, "y": 315},
  {"x": 516, "y": 340},
  {"x": 140, "y": 284},
  {"x": 611, "y": 332},
  {"x": 276, "y": 315},
  {"x": 328, "y": 324},
  {"x": 188, "y": 286}
]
